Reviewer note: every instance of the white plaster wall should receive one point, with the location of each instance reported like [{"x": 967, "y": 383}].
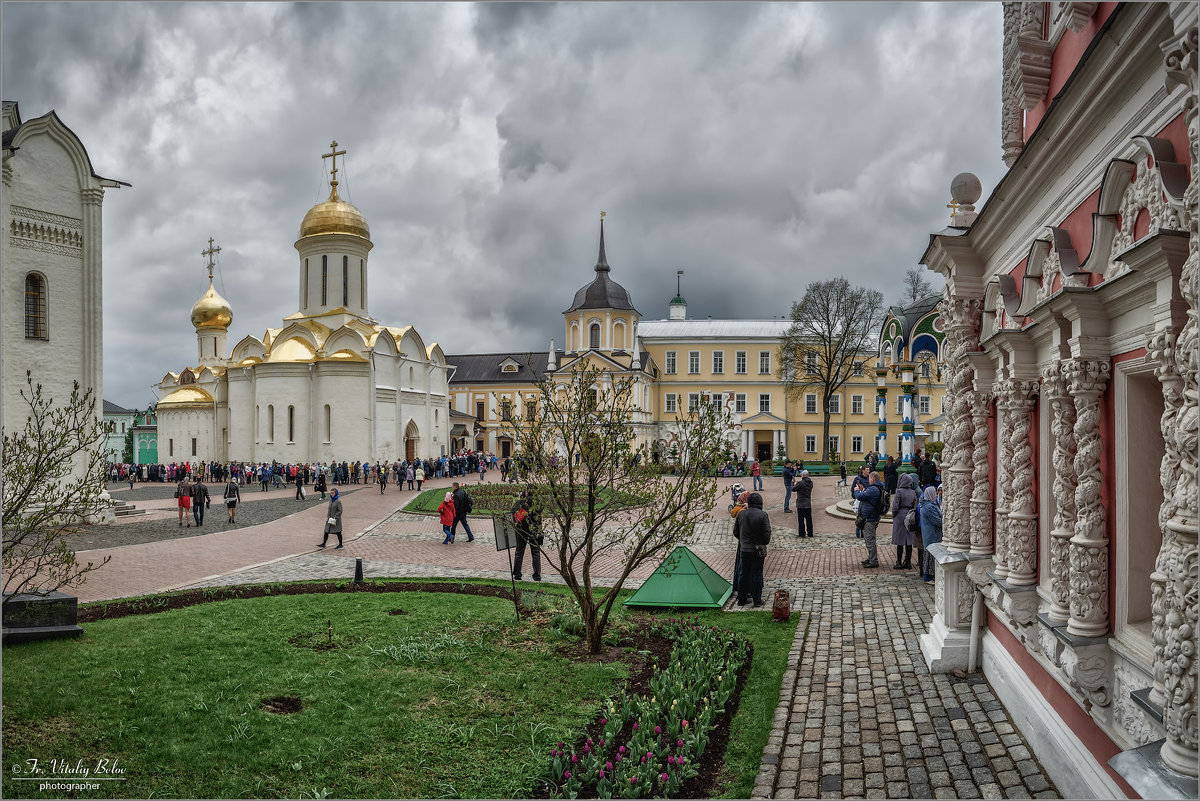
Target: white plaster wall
[{"x": 179, "y": 426}]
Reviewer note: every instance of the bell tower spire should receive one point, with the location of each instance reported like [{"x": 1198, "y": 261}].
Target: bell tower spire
[{"x": 602, "y": 262}]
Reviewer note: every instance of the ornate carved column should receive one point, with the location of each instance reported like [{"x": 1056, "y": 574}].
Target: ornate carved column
[
  {"x": 1062, "y": 432},
  {"x": 962, "y": 336},
  {"x": 1022, "y": 532},
  {"x": 1003, "y": 474},
  {"x": 1087, "y": 379},
  {"x": 981, "y": 496},
  {"x": 881, "y": 408},
  {"x": 907, "y": 439}
]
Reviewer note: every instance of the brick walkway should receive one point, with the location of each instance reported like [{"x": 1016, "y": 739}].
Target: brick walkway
[{"x": 859, "y": 713}]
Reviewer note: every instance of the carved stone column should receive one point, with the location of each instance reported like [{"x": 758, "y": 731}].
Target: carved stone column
[
  {"x": 1062, "y": 432},
  {"x": 1003, "y": 475},
  {"x": 1089, "y": 547},
  {"x": 1022, "y": 513},
  {"x": 962, "y": 316},
  {"x": 981, "y": 495}
]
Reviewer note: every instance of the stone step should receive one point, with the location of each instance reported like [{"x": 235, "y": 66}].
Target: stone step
[{"x": 129, "y": 512}]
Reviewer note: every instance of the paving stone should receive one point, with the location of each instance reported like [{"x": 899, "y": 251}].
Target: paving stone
[
  {"x": 1001, "y": 764},
  {"x": 831, "y": 783},
  {"x": 941, "y": 792},
  {"x": 921, "y": 791},
  {"x": 1016, "y": 792},
  {"x": 990, "y": 791},
  {"x": 1037, "y": 784},
  {"x": 852, "y": 787},
  {"x": 897, "y": 789},
  {"x": 1008, "y": 778}
]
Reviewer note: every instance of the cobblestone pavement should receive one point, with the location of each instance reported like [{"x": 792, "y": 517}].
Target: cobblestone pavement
[{"x": 861, "y": 716}]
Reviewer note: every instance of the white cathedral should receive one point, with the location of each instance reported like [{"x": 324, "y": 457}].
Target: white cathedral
[{"x": 331, "y": 373}]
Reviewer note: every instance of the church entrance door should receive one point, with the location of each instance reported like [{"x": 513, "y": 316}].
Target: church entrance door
[
  {"x": 764, "y": 451},
  {"x": 410, "y": 450}
]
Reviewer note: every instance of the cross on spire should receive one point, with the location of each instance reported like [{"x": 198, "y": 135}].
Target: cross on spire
[
  {"x": 210, "y": 253},
  {"x": 333, "y": 154},
  {"x": 953, "y": 206}
]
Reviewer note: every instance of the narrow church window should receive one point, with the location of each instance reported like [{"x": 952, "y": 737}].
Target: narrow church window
[
  {"x": 324, "y": 280},
  {"x": 291, "y": 424},
  {"x": 304, "y": 287},
  {"x": 270, "y": 422},
  {"x": 35, "y": 307},
  {"x": 345, "y": 280},
  {"x": 328, "y": 422},
  {"x": 193, "y": 446},
  {"x": 362, "y": 283},
  {"x": 594, "y": 336}
]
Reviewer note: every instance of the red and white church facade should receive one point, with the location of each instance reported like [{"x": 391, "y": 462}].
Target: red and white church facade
[{"x": 1068, "y": 568}]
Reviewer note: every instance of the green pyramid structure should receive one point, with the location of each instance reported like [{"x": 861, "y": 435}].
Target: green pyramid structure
[{"x": 683, "y": 579}]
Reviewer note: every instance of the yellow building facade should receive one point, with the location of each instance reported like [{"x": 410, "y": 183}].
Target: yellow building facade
[{"x": 677, "y": 363}]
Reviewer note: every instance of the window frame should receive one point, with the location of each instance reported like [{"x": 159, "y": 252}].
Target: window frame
[
  {"x": 810, "y": 443},
  {"x": 835, "y": 403},
  {"x": 764, "y": 358},
  {"x": 670, "y": 403},
  {"x": 856, "y": 443},
  {"x": 693, "y": 362},
  {"x": 693, "y": 401},
  {"x": 669, "y": 365},
  {"x": 718, "y": 362},
  {"x": 764, "y": 402},
  {"x": 810, "y": 403},
  {"x": 39, "y": 313},
  {"x": 856, "y": 402},
  {"x": 739, "y": 362},
  {"x": 739, "y": 402}
]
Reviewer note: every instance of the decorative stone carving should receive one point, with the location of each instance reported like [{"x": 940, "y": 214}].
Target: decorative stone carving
[
  {"x": 1126, "y": 714},
  {"x": 980, "y": 405},
  {"x": 1176, "y": 625},
  {"x": 1089, "y": 546},
  {"x": 1033, "y": 56},
  {"x": 1145, "y": 192},
  {"x": 1062, "y": 432},
  {"x": 1022, "y": 503},
  {"x": 1088, "y": 670},
  {"x": 1160, "y": 350},
  {"x": 961, "y": 316},
  {"x": 1075, "y": 15},
  {"x": 1052, "y": 646},
  {"x": 1012, "y": 115},
  {"x": 1003, "y": 475},
  {"x": 966, "y": 597}
]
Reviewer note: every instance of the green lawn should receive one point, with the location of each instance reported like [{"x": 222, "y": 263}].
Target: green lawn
[{"x": 452, "y": 699}]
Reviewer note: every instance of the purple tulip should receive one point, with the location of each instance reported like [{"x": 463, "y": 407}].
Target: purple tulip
[
  {"x": 679, "y": 743},
  {"x": 633, "y": 779},
  {"x": 603, "y": 721},
  {"x": 664, "y": 777},
  {"x": 566, "y": 774},
  {"x": 574, "y": 758},
  {"x": 608, "y": 765},
  {"x": 621, "y": 750},
  {"x": 587, "y": 749},
  {"x": 635, "y": 725},
  {"x": 658, "y": 730},
  {"x": 643, "y": 760}
]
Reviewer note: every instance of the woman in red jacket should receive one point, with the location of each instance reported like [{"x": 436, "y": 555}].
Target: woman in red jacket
[{"x": 446, "y": 514}]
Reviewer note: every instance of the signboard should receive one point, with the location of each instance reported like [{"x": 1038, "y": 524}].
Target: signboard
[{"x": 506, "y": 531}]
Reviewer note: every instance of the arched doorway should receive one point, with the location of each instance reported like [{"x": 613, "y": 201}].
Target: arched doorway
[{"x": 411, "y": 437}]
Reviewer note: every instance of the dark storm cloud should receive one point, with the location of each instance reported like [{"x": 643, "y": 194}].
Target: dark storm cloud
[{"x": 757, "y": 146}]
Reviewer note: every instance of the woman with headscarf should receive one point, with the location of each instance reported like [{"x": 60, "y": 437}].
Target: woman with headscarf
[
  {"x": 930, "y": 513},
  {"x": 446, "y": 515},
  {"x": 903, "y": 502},
  {"x": 333, "y": 520}
]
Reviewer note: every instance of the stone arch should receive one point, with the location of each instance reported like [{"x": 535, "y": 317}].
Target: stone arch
[{"x": 412, "y": 441}]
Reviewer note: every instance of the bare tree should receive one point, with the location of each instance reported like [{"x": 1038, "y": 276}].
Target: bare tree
[
  {"x": 833, "y": 331},
  {"x": 915, "y": 286},
  {"x": 578, "y": 452},
  {"x": 53, "y": 478}
]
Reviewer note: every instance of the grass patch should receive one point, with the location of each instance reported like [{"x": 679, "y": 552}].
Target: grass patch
[
  {"x": 234, "y": 699},
  {"x": 487, "y": 499}
]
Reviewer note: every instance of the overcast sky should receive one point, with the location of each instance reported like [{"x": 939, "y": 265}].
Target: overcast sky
[{"x": 757, "y": 147}]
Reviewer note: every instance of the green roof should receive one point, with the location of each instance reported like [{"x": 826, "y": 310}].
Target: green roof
[
  {"x": 683, "y": 579},
  {"x": 678, "y": 299}
]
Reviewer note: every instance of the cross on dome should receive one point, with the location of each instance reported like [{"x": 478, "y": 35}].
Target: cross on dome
[
  {"x": 210, "y": 252},
  {"x": 333, "y": 154}
]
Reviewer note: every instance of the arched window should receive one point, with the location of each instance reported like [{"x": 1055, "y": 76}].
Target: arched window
[
  {"x": 410, "y": 378},
  {"x": 291, "y": 424},
  {"x": 594, "y": 336},
  {"x": 35, "y": 307},
  {"x": 324, "y": 280},
  {"x": 328, "y": 423},
  {"x": 270, "y": 422},
  {"x": 362, "y": 283},
  {"x": 304, "y": 287},
  {"x": 345, "y": 280}
]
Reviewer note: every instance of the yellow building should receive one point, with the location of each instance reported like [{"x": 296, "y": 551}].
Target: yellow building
[{"x": 677, "y": 363}]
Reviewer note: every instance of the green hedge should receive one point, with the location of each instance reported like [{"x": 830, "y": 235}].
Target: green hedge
[{"x": 487, "y": 499}]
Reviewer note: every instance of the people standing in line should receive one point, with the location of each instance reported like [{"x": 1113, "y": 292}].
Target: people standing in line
[
  {"x": 333, "y": 520},
  {"x": 199, "y": 500},
  {"x": 871, "y": 509},
  {"x": 183, "y": 491},
  {"x": 752, "y": 528},
  {"x": 232, "y": 494},
  {"x": 446, "y": 516},
  {"x": 419, "y": 475},
  {"x": 930, "y": 514},
  {"x": 756, "y": 476},
  {"x": 917, "y": 458},
  {"x": 891, "y": 476},
  {"x": 903, "y": 502},
  {"x": 860, "y": 484},
  {"x": 528, "y": 522},
  {"x": 789, "y": 477},
  {"x": 410, "y": 475},
  {"x": 804, "y": 519},
  {"x": 462, "y": 505},
  {"x": 264, "y": 476}
]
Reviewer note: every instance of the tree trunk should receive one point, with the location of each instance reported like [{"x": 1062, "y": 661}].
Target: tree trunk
[
  {"x": 593, "y": 632},
  {"x": 825, "y": 436}
]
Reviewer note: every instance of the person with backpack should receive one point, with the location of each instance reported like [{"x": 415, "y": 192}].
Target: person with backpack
[
  {"x": 462, "y": 507},
  {"x": 859, "y": 484},
  {"x": 904, "y": 501},
  {"x": 869, "y": 511},
  {"x": 529, "y": 533},
  {"x": 804, "y": 519}
]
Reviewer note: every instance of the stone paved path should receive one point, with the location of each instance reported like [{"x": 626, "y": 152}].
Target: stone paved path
[{"x": 861, "y": 716}]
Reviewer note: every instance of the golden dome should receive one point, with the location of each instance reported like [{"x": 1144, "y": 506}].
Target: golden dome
[
  {"x": 334, "y": 216},
  {"x": 212, "y": 310},
  {"x": 186, "y": 396}
]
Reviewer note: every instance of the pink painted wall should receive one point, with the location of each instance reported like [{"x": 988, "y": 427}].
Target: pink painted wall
[{"x": 1066, "y": 57}]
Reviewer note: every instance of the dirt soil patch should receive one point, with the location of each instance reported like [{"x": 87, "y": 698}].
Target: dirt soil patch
[{"x": 282, "y": 704}]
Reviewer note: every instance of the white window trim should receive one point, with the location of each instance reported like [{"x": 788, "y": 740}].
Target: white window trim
[
  {"x": 810, "y": 403},
  {"x": 856, "y": 399}
]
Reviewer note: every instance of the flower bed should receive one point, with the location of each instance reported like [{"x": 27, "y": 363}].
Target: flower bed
[{"x": 651, "y": 746}]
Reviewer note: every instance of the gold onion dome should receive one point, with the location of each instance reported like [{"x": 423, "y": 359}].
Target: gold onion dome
[
  {"x": 334, "y": 216},
  {"x": 212, "y": 310}
]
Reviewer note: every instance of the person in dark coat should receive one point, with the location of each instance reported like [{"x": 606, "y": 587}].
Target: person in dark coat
[
  {"x": 753, "y": 531},
  {"x": 803, "y": 490},
  {"x": 333, "y": 520},
  {"x": 871, "y": 508},
  {"x": 199, "y": 501},
  {"x": 903, "y": 502},
  {"x": 789, "y": 477},
  {"x": 891, "y": 476},
  {"x": 858, "y": 485},
  {"x": 233, "y": 494},
  {"x": 928, "y": 473},
  {"x": 529, "y": 533},
  {"x": 930, "y": 512},
  {"x": 462, "y": 505}
]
